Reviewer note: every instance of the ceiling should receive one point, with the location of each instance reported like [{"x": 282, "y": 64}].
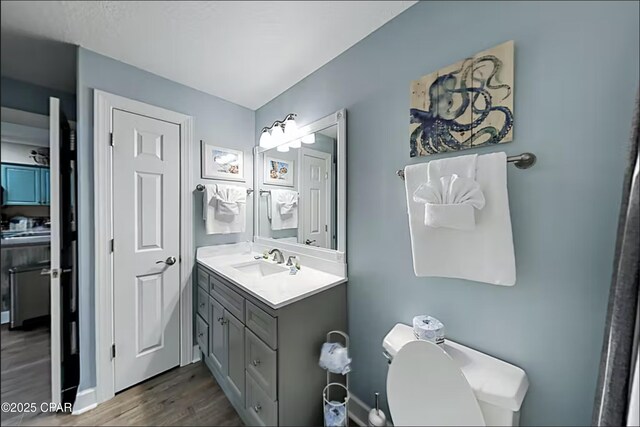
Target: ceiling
[{"x": 247, "y": 52}]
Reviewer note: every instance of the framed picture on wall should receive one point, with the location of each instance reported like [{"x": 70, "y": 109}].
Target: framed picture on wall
[
  {"x": 278, "y": 171},
  {"x": 222, "y": 163}
]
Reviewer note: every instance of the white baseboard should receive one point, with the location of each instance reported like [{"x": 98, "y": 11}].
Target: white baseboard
[
  {"x": 86, "y": 400},
  {"x": 196, "y": 354},
  {"x": 359, "y": 412},
  {"x": 4, "y": 317}
]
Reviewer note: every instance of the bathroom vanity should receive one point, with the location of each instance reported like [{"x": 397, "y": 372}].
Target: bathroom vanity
[{"x": 260, "y": 331}]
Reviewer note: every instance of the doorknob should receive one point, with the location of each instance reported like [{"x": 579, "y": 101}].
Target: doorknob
[
  {"x": 169, "y": 261},
  {"x": 308, "y": 242}
]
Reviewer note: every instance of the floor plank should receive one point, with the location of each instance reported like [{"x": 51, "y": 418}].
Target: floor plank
[
  {"x": 187, "y": 396},
  {"x": 25, "y": 369}
]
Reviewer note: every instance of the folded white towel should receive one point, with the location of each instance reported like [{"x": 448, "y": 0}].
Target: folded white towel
[
  {"x": 284, "y": 209},
  {"x": 484, "y": 254},
  {"x": 287, "y": 201},
  {"x": 224, "y": 208},
  {"x": 450, "y": 201}
]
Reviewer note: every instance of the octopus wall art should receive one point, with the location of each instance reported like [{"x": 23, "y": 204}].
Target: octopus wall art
[{"x": 466, "y": 105}]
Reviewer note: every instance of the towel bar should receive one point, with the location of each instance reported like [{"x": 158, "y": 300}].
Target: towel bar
[
  {"x": 521, "y": 161},
  {"x": 263, "y": 192},
  {"x": 200, "y": 187}
]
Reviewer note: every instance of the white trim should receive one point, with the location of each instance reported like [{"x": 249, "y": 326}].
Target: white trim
[
  {"x": 196, "y": 354},
  {"x": 55, "y": 293},
  {"x": 338, "y": 118},
  {"x": 5, "y": 317},
  {"x": 85, "y": 401},
  {"x": 104, "y": 103}
]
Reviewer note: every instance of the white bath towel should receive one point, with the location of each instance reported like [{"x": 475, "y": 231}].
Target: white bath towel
[
  {"x": 284, "y": 209},
  {"x": 450, "y": 201},
  {"x": 484, "y": 254},
  {"x": 224, "y": 208}
]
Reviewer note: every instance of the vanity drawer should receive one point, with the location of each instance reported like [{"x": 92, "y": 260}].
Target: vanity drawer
[
  {"x": 202, "y": 299},
  {"x": 262, "y": 409},
  {"x": 262, "y": 324},
  {"x": 203, "y": 278},
  {"x": 231, "y": 300},
  {"x": 202, "y": 335},
  {"x": 261, "y": 363}
]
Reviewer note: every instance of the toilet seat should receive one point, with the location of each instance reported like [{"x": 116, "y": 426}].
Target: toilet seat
[{"x": 425, "y": 387}]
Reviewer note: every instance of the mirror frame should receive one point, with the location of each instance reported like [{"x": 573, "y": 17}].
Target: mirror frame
[{"x": 338, "y": 118}]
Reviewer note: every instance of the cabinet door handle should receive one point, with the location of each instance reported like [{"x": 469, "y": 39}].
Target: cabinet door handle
[
  {"x": 256, "y": 362},
  {"x": 200, "y": 335},
  {"x": 257, "y": 408}
]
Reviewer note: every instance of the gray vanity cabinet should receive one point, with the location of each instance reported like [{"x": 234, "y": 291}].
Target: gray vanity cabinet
[
  {"x": 266, "y": 360},
  {"x": 235, "y": 356},
  {"x": 217, "y": 346}
]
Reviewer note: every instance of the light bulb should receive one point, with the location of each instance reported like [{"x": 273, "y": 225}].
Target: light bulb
[
  {"x": 295, "y": 143},
  {"x": 309, "y": 139},
  {"x": 283, "y": 148},
  {"x": 265, "y": 140},
  {"x": 290, "y": 129},
  {"x": 277, "y": 136}
]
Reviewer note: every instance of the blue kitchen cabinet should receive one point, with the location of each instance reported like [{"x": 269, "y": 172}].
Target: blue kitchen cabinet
[
  {"x": 25, "y": 185},
  {"x": 45, "y": 186}
]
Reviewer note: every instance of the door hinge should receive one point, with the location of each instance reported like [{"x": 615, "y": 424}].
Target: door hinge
[
  {"x": 111, "y": 138},
  {"x": 326, "y": 227},
  {"x": 112, "y": 245},
  {"x": 113, "y": 351}
]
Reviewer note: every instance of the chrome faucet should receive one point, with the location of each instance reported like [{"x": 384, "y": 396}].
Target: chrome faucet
[{"x": 277, "y": 255}]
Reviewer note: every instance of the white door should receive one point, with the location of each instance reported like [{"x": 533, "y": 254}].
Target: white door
[
  {"x": 314, "y": 199},
  {"x": 55, "y": 271},
  {"x": 146, "y": 230}
]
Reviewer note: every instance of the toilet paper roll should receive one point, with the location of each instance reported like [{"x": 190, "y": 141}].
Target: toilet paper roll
[{"x": 428, "y": 328}]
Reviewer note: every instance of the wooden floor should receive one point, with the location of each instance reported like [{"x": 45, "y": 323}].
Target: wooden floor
[
  {"x": 187, "y": 396},
  {"x": 25, "y": 371}
]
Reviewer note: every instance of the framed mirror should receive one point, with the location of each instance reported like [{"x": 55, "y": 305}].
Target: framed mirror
[{"x": 300, "y": 188}]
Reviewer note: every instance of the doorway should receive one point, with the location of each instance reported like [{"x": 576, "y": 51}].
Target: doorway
[
  {"x": 40, "y": 359},
  {"x": 316, "y": 176},
  {"x": 146, "y": 231},
  {"x": 143, "y": 237}
]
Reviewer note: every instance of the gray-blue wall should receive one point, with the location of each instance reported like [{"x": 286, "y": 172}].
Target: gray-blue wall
[
  {"x": 216, "y": 120},
  {"x": 25, "y": 96},
  {"x": 576, "y": 78}
]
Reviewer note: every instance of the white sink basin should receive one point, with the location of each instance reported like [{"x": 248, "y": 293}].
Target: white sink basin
[{"x": 259, "y": 268}]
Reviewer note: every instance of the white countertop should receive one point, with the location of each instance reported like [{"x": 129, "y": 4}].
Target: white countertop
[{"x": 276, "y": 290}]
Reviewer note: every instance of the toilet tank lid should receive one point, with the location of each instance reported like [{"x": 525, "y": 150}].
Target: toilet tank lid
[{"x": 493, "y": 381}]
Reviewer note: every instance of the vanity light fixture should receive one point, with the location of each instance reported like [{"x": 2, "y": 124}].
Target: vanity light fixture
[
  {"x": 296, "y": 143},
  {"x": 283, "y": 148},
  {"x": 277, "y": 135},
  {"x": 279, "y": 131},
  {"x": 309, "y": 139}
]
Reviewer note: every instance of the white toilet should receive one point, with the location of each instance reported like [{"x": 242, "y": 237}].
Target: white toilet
[{"x": 455, "y": 386}]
